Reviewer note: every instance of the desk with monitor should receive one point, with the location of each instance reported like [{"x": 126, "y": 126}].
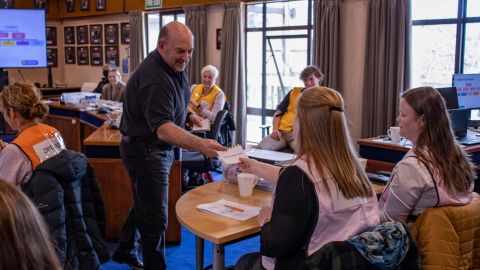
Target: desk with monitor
[{"x": 383, "y": 155}]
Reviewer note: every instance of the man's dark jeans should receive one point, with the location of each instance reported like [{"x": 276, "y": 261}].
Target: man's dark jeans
[{"x": 148, "y": 166}]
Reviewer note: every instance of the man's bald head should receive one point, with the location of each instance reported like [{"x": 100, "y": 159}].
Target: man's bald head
[
  {"x": 175, "y": 45},
  {"x": 175, "y": 28}
]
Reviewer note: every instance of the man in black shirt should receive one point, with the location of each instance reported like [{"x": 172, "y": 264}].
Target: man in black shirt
[{"x": 154, "y": 112}]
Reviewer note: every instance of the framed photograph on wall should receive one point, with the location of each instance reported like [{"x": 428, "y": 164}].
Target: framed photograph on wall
[
  {"x": 85, "y": 5},
  {"x": 51, "y": 33},
  {"x": 69, "y": 34},
  {"x": 111, "y": 34},
  {"x": 70, "y": 55},
  {"x": 125, "y": 33},
  {"x": 6, "y": 4},
  {"x": 70, "y": 5},
  {"x": 96, "y": 34},
  {"x": 52, "y": 57},
  {"x": 40, "y": 4},
  {"x": 82, "y": 34},
  {"x": 111, "y": 55},
  {"x": 101, "y": 4},
  {"x": 96, "y": 56},
  {"x": 82, "y": 55}
]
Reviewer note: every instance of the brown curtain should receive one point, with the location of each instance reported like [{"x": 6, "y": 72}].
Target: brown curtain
[
  {"x": 386, "y": 65},
  {"x": 196, "y": 19},
  {"x": 325, "y": 39},
  {"x": 137, "y": 51},
  {"x": 232, "y": 63}
]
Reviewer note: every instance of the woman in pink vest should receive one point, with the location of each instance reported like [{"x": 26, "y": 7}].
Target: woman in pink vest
[
  {"x": 436, "y": 171},
  {"x": 322, "y": 196},
  {"x": 36, "y": 142}
]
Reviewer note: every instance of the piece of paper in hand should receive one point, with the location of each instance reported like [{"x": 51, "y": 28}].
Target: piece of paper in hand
[
  {"x": 232, "y": 155},
  {"x": 205, "y": 126}
]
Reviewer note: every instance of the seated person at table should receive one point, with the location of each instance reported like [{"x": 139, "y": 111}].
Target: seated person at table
[
  {"x": 322, "y": 196},
  {"x": 207, "y": 98},
  {"x": 281, "y": 135},
  {"x": 104, "y": 80},
  {"x": 35, "y": 142},
  {"x": 115, "y": 87},
  {"x": 436, "y": 171},
  {"x": 26, "y": 242}
]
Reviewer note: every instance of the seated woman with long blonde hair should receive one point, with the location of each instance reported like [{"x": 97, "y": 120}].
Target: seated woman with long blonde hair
[{"x": 322, "y": 196}]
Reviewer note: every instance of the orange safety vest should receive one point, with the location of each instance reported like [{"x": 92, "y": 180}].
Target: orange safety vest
[
  {"x": 286, "y": 120},
  {"x": 198, "y": 97},
  {"x": 39, "y": 143}
]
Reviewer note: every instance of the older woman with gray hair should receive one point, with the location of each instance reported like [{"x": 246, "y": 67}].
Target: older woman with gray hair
[{"x": 207, "y": 98}]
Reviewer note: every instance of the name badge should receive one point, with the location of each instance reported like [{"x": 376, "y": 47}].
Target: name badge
[{"x": 50, "y": 147}]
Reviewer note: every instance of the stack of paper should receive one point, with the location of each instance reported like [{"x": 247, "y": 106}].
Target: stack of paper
[
  {"x": 229, "y": 209},
  {"x": 232, "y": 155}
]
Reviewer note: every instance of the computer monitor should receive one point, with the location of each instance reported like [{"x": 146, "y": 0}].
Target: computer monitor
[
  {"x": 468, "y": 90},
  {"x": 449, "y": 94},
  {"x": 459, "y": 119}
]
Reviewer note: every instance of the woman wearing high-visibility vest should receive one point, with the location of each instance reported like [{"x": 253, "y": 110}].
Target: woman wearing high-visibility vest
[
  {"x": 35, "y": 142},
  {"x": 207, "y": 98}
]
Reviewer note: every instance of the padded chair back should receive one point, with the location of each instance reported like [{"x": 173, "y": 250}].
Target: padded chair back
[
  {"x": 215, "y": 128},
  {"x": 227, "y": 127},
  {"x": 448, "y": 237},
  {"x": 198, "y": 162}
]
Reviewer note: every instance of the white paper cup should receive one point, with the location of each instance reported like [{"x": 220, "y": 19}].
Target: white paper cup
[
  {"x": 246, "y": 183},
  {"x": 394, "y": 133}
]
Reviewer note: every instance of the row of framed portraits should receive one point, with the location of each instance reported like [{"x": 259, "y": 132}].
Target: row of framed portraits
[
  {"x": 85, "y": 55},
  {"x": 43, "y": 4},
  {"x": 70, "y": 5},
  {"x": 91, "y": 34}
]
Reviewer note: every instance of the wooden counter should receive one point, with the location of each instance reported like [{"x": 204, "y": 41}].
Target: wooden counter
[{"x": 74, "y": 124}]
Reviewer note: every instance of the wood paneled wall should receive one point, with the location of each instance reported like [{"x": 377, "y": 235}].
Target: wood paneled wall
[
  {"x": 131, "y": 5},
  {"x": 57, "y": 9}
]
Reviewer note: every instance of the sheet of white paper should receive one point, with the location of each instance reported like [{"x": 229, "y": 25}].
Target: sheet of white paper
[
  {"x": 230, "y": 209},
  {"x": 232, "y": 155}
]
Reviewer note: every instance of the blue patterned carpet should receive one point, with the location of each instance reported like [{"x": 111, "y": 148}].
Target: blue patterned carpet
[{"x": 182, "y": 257}]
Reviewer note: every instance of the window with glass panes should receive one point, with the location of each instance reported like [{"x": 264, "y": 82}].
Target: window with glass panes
[
  {"x": 445, "y": 40},
  {"x": 155, "y": 21},
  {"x": 278, "y": 47}
]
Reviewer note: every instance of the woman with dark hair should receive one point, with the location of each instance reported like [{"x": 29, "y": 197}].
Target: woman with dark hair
[
  {"x": 322, "y": 196},
  {"x": 26, "y": 242},
  {"x": 36, "y": 142},
  {"x": 436, "y": 171}
]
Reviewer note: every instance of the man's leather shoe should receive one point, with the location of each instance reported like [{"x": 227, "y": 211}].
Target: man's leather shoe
[{"x": 128, "y": 259}]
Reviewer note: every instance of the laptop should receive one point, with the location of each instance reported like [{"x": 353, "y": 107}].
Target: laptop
[{"x": 459, "y": 119}]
